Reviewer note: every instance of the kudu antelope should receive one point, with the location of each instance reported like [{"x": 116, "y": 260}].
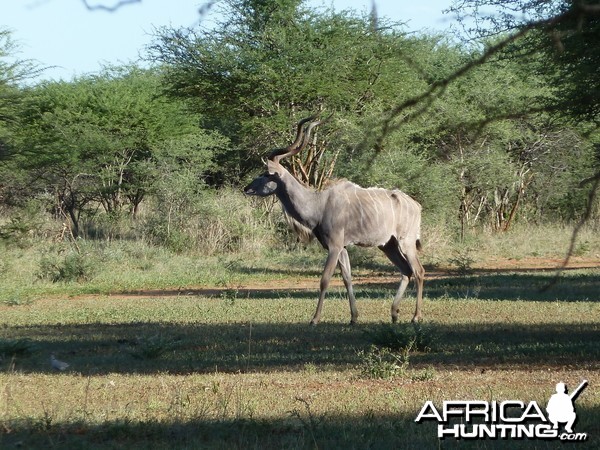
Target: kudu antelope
[{"x": 346, "y": 214}]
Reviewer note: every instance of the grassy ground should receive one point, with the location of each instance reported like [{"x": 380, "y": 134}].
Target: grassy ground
[
  {"x": 242, "y": 368},
  {"x": 181, "y": 351}
]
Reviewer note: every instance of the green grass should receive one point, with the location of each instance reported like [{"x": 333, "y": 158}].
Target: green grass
[
  {"x": 242, "y": 368},
  {"x": 188, "y": 350},
  {"x": 41, "y": 269}
]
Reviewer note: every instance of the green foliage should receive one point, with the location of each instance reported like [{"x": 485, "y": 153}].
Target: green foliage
[
  {"x": 208, "y": 222},
  {"x": 391, "y": 346},
  {"x": 105, "y": 140},
  {"x": 383, "y": 363},
  {"x": 403, "y": 337},
  {"x": 151, "y": 347},
  {"x": 250, "y": 78},
  {"x": 15, "y": 231},
  {"x": 562, "y": 46},
  {"x": 462, "y": 261},
  {"x": 69, "y": 267},
  {"x": 148, "y": 153},
  {"x": 576, "y": 60},
  {"x": 13, "y": 71},
  {"x": 23, "y": 224}
]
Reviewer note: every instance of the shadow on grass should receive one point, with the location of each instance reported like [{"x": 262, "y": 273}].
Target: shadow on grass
[
  {"x": 228, "y": 293},
  {"x": 580, "y": 285},
  {"x": 155, "y": 346},
  {"x": 298, "y": 431},
  {"x": 147, "y": 348}
]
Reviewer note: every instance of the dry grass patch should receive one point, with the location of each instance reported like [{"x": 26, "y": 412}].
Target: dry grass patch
[{"x": 242, "y": 368}]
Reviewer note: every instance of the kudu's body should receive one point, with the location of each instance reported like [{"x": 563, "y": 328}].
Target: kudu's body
[{"x": 346, "y": 214}]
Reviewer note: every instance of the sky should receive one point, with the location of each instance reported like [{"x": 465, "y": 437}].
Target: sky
[{"x": 72, "y": 40}]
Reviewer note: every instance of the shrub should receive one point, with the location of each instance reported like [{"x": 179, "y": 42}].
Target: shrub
[
  {"x": 15, "y": 231},
  {"x": 391, "y": 345},
  {"x": 382, "y": 363},
  {"x": 416, "y": 337},
  {"x": 152, "y": 347},
  {"x": 16, "y": 347},
  {"x": 462, "y": 262},
  {"x": 73, "y": 266},
  {"x": 213, "y": 222}
]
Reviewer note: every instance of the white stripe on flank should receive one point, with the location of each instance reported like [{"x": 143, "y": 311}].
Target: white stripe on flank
[
  {"x": 377, "y": 213},
  {"x": 392, "y": 208},
  {"x": 359, "y": 203}
]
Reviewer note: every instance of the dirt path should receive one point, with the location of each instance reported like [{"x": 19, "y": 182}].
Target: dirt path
[{"x": 361, "y": 278}]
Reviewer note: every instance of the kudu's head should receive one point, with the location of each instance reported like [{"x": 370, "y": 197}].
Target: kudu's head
[{"x": 267, "y": 183}]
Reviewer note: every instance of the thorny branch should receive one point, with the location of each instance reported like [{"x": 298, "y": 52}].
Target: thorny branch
[
  {"x": 423, "y": 101},
  {"x": 203, "y": 9},
  {"x": 586, "y": 215},
  {"x": 419, "y": 104},
  {"x": 113, "y": 8}
]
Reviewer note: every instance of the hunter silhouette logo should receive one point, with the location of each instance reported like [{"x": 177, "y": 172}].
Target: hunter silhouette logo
[
  {"x": 560, "y": 406},
  {"x": 510, "y": 419}
]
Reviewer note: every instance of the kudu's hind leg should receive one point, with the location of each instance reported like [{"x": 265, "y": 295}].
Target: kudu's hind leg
[
  {"x": 419, "y": 274},
  {"x": 392, "y": 251},
  {"x": 332, "y": 259},
  {"x": 344, "y": 264}
]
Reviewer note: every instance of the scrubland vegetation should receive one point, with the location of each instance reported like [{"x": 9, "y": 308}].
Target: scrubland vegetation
[
  {"x": 180, "y": 349},
  {"x": 129, "y": 251}
]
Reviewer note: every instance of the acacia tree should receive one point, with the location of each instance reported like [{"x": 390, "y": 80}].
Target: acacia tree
[
  {"x": 560, "y": 40},
  {"x": 97, "y": 141},
  {"x": 505, "y": 47},
  {"x": 267, "y": 65},
  {"x": 270, "y": 63},
  {"x": 13, "y": 72}
]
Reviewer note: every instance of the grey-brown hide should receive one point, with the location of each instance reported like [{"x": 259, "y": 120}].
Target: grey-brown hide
[{"x": 346, "y": 214}]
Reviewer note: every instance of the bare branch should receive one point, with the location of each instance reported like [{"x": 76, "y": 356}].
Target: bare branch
[
  {"x": 586, "y": 216},
  {"x": 113, "y": 8},
  {"x": 423, "y": 101}
]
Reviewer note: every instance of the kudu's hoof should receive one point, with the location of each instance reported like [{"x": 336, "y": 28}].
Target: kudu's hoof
[{"x": 313, "y": 323}]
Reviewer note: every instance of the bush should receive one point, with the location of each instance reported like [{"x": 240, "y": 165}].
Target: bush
[
  {"x": 462, "y": 261},
  {"x": 213, "y": 222},
  {"x": 382, "y": 363},
  {"x": 15, "y": 231},
  {"x": 391, "y": 345},
  {"x": 71, "y": 267},
  {"x": 152, "y": 347},
  {"x": 415, "y": 337},
  {"x": 10, "y": 348},
  {"x": 22, "y": 226}
]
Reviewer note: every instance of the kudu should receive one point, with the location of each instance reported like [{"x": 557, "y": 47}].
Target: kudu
[{"x": 346, "y": 214}]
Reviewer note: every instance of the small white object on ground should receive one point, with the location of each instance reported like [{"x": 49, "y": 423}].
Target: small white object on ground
[{"x": 58, "y": 365}]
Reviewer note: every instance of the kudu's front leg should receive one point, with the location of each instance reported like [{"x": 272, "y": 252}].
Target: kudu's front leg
[
  {"x": 332, "y": 259},
  {"x": 344, "y": 263}
]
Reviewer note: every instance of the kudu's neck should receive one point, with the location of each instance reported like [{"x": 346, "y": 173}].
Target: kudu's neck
[{"x": 300, "y": 202}]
